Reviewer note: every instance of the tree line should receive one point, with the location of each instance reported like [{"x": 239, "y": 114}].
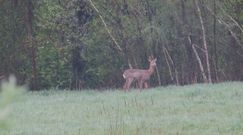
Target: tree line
[{"x": 77, "y": 44}]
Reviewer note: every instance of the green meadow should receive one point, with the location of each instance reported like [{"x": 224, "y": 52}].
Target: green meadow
[{"x": 203, "y": 109}]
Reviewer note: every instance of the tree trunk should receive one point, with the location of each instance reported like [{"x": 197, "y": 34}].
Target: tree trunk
[
  {"x": 168, "y": 64},
  {"x": 173, "y": 65},
  {"x": 198, "y": 60},
  {"x": 215, "y": 58},
  {"x": 188, "y": 72},
  {"x": 29, "y": 26},
  {"x": 204, "y": 41},
  {"x": 106, "y": 27},
  {"x": 200, "y": 63}
]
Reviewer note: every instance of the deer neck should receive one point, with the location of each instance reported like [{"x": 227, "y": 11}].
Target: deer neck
[{"x": 151, "y": 69}]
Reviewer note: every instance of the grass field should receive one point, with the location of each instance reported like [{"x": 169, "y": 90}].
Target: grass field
[{"x": 186, "y": 110}]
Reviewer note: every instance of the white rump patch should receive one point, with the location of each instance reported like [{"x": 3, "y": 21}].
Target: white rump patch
[{"x": 124, "y": 76}]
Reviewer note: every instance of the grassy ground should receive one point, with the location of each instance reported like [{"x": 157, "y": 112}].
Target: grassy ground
[{"x": 189, "y": 110}]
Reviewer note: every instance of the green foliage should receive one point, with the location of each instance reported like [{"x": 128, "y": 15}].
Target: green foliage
[{"x": 53, "y": 66}]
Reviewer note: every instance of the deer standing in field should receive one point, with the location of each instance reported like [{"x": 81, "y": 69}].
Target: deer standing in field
[{"x": 140, "y": 75}]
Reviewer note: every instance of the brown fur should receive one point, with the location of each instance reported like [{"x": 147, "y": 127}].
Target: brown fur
[{"x": 141, "y": 75}]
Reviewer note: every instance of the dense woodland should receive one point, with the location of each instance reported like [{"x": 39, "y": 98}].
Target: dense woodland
[{"x": 77, "y": 44}]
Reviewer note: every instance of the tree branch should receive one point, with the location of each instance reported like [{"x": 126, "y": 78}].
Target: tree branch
[{"x": 106, "y": 27}]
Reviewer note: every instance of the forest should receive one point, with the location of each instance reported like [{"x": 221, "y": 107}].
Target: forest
[{"x": 81, "y": 44}]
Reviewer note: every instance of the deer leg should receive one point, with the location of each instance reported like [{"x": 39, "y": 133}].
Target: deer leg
[
  {"x": 141, "y": 84},
  {"x": 145, "y": 85},
  {"x": 137, "y": 84},
  {"x": 128, "y": 83},
  {"x": 130, "y": 80},
  {"x": 125, "y": 85}
]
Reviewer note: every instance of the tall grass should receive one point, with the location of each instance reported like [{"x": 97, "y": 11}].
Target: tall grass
[{"x": 185, "y": 110}]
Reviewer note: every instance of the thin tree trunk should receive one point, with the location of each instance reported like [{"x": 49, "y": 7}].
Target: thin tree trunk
[
  {"x": 198, "y": 60},
  {"x": 214, "y": 44},
  {"x": 204, "y": 41},
  {"x": 200, "y": 63},
  {"x": 189, "y": 63},
  {"x": 29, "y": 25},
  {"x": 1, "y": 2},
  {"x": 175, "y": 70},
  {"x": 168, "y": 64},
  {"x": 233, "y": 34},
  {"x": 158, "y": 76},
  {"x": 231, "y": 18},
  {"x": 106, "y": 27}
]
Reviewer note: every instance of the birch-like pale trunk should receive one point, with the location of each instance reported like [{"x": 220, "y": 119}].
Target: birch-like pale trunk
[
  {"x": 200, "y": 63},
  {"x": 106, "y": 27},
  {"x": 168, "y": 64},
  {"x": 198, "y": 60},
  {"x": 172, "y": 62},
  {"x": 205, "y": 46}
]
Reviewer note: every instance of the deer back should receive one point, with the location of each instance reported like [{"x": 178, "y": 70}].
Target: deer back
[{"x": 136, "y": 74}]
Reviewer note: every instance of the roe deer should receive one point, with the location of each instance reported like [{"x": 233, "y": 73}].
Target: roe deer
[{"x": 141, "y": 75}]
